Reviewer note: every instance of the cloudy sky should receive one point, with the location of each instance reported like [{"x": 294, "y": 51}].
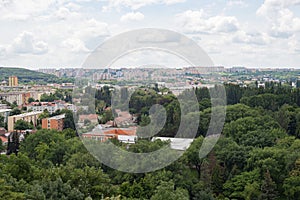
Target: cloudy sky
[{"x": 62, "y": 33}]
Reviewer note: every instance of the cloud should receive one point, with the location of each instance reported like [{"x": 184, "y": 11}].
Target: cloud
[
  {"x": 2, "y": 51},
  {"x": 239, "y": 3},
  {"x": 22, "y": 10},
  {"x": 63, "y": 13},
  {"x": 250, "y": 38},
  {"x": 90, "y": 28},
  {"x": 199, "y": 22},
  {"x": 282, "y": 21},
  {"x": 136, "y": 4},
  {"x": 75, "y": 45},
  {"x": 271, "y": 6},
  {"x": 25, "y": 43},
  {"x": 132, "y": 16},
  {"x": 294, "y": 45}
]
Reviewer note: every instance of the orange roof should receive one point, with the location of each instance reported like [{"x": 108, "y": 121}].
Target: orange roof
[{"x": 120, "y": 132}]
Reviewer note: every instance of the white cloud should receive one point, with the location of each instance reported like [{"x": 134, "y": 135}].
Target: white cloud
[
  {"x": 250, "y": 38},
  {"x": 75, "y": 45},
  {"x": 22, "y": 10},
  {"x": 25, "y": 43},
  {"x": 199, "y": 22},
  {"x": 272, "y": 6},
  {"x": 294, "y": 45},
  {"x": 63, "y": 13},
  {"x": 73, "y": 6},
  {"x": 239, "y": 3},
  {"x": 132, "y": 16},
  {"x": 170, "y": 2},
  {"x": 282, "y": 21},
  {"x": 136, "y": 4},
  {"x": 90, "y": 28},
  {"x": 2, "y": 51}
]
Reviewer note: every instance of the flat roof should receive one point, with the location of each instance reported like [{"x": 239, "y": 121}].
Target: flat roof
[
  {"x": 176, "y": 143},
  {"x": 58, "y": 117},
  {"x": 27, "y": 114},
  {"x": 5, "y": 110}
]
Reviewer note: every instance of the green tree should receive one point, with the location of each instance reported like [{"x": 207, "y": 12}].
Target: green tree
[
  {"x": 30, "y": 100},
  {"x": 268, "y": 188},
  {"x": 2, "y": 124},
  {"x": 192, "y": 155},
  {"x": 22, "y": 125},
  {"x": 167, "y": 191},
  {"x": 7, "y": 192},
  {"x": 15, "y": 111},
  {"x": 292, "y": 182},
  {"x": 236, "y": 187}
]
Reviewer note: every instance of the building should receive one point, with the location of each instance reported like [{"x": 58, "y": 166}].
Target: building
[
  {"x": 93, "y": 118},
  {"x": 15, "y": 97},
  {"x": 51, "y": 106},
  {"x": 28, "y": 117},
  {"x": 56, "y": 122},
  {"x": 125, "y": 135},
  {"x": 180, "y": 144},
  {"x": 3, "y": 83},
  {"x": 124, "y": 119},
  {"x": 4, "y": 106},
  {"x": 5, "y": 114},
  {"x": 13, "y": 81}
]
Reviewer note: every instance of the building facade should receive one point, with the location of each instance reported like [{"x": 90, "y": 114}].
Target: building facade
[
  {"x": 13, "y": 81},
  {"x": 51, "y": 106},
  {"x": 28, "y": 117},
  {"x": 56, "y": 122}
]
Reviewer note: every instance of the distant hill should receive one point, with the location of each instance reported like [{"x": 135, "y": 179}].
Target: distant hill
[{"x": 30, "y": 76}]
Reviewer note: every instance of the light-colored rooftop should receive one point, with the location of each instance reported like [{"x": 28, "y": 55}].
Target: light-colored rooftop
[
  {"x": 57, "y": 117},
  {"x": 27, "y": 114},
  {"x": 4, "y": 110},
  {"x": 176, "y": 143}
]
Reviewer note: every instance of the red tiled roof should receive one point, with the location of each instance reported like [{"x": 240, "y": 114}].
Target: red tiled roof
[{"x": 120, "y": 132}]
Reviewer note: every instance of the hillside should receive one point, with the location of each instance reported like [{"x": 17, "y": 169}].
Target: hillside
[{"x": 27, "y": 76}]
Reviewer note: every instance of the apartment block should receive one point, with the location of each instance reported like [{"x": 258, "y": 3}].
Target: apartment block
[
  {"x": 13, "y": 81},
  {"x": 19, "y": 97},
  {"x": 28, "y": 117},
  {"x": 56, "y": 122},
  {"x": 51, "y": 106}
]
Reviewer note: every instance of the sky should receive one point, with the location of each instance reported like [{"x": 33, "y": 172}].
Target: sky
[{"x": 62, "y": 33}]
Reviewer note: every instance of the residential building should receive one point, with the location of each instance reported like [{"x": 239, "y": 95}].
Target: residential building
[
  {"x": 19, "y": 97},
  {"x": 123, "y": 119},
  {"x": 50, "y": 106},
  {"x": 56, "y": 122},
  {"x": 125, "y": 135},
  {"x": 30, "y": 117},
  {"x": 93, "y": 118},
  {"x": 5, "y": 114},
  {"x": 13, "y": 81},
  {"x": 4, "y": 106}
]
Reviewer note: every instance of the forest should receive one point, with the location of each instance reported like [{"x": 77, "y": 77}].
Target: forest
[
  {"x": 26, "y": 76},
  {"x": 257, "y": 156}
]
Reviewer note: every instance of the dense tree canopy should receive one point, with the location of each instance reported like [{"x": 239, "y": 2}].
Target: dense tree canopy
[{"x": 257, "y": 156}]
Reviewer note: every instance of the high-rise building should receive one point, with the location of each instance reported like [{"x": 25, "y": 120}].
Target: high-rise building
[{"x": 13, "y": 81}]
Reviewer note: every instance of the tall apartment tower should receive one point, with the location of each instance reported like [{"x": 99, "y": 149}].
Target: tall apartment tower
[{"x": 13, "y": 81}]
